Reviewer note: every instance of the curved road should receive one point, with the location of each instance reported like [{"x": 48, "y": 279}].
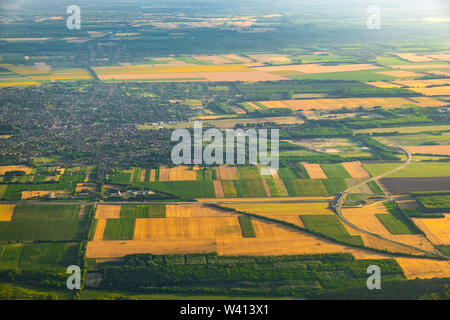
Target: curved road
[{"x": 338, "y": 207}]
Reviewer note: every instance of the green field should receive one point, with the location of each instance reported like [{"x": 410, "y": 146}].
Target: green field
[
  {"x": 394, "y": 225},
  {"x": 42, "y": 222},
  {"x": 247, "y": 227},
  {"x": 414, "y": 170},
  {"x": 38, "y": 256},
  {"x": 250, "y": 188},
  {"x": 305, "y": 187},
  {"x": 119, "y": 229},
  {"x": 184, "y": 189},
  {"x": 331, "y": 226},
  {"x": 142, "y": 211},
  {"x": 434, "y": 202},
  {"x": 335, "y": 171}
]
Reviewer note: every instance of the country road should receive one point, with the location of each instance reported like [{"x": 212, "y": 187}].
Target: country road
[{"x": 340, "y": 202}]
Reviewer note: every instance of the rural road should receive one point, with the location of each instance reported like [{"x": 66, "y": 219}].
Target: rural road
[{"x": 340, "y": 202}]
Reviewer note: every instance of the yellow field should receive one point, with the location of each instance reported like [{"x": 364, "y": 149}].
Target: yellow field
[
  {"x": 218, "y": 189},
  {"x": 100, "y": 229},
  {"x": 352, "y": 103},
  {"x": 81, "y": 187},
  {"x": 225, "y": 172},
  {"x": 117, "y": 249},
  {"x": 278, "y": 199},
  {"x": 436, "y": 229},
  {"x": 414, "y": 240},
  {"x": 433, "y": 91},
  {"x": 6, "y": 212},
  {"x": 301, "y": 243},
  {"x": 422, "y": 83},
  {"x": 365, "y": 218},
  {"x": 164, "y": 174},
  {"x": 314, "y": 171},
  {"x": 380, "y": 244},
  {"x": 105, "y": 211},
  {"x": 400, "y": 74},
  {"x": 195, "y": 211},
  {"x": 316, "y": 68},
  {"x": 282, "y": 209},
  {"x": 179, "y": 173},
  {"x": 413, "y": 57},
  {"x": 445, "y": 73},
  {"x": 383, "y": 84},
  {"x": 271, "y": 230},
  {"x": 187, "y": 228},
  {"x": 212, "y": 59},
  {"x": 152, "y": 175},
  {"x": 4, "y": 169},
  {"x": 424, "y": 268},
  {"x": 39, "y": 194},
  {"x": 438, "y": 150},
  {"x": 19, "y": 83},
  {"x": 355, "y": 170}
]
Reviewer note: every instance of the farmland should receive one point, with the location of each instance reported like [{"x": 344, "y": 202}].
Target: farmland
[{"x": 89, "y": 177}]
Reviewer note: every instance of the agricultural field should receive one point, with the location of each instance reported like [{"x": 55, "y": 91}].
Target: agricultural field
[
  {"x": 38, "y": 256},
  {"x": 436, "y": 229},
  {"x": 88, "y": 134},
  {"x": 51, "y": 222},
  {"x": 352, "y": 103}
]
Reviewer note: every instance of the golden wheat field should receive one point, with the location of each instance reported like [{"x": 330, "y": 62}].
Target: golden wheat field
[
  {"x": 436, "y": 229},
  {"x": 37, "y": 194},
  {"x": 164, "y": 174},
  {"x": 278, "y": 199},
  {"x": 195, "y": 210},
  {"x": 352, "y": 103},
  {"x": 218, "y": 189},
  {"x": 437, "y": 150},
  {"x": 105, "y": 211},
  {"x": 100, "y": 229},
  {"x": 365, "y": 218},
  {"x": 4, "y": 169},
  {"x": 413, "y": 240},
  {"x": 355, "y": 170},
  {"x": 271, "y": 230},
  {"x": 381, "y": 244},
  {"x": 316, "y": 68},
  {"x": 6, "y": 212},
  {"x": 422, "y": 83},
  {"x": 413, "y": 57},
  {"x": 179, "y": 173},
  {"x": 187, "y": 228},
  {"x": 424, "y": 268},
  {"x": 282, "y": 209},
  {"x": 445, "y": 73},
  {"x": 314, "y": 171},
  {"x": 225, "y": 172},
  {"x": 433, "y": 91},
  {"x": 118, "y": 249}
]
